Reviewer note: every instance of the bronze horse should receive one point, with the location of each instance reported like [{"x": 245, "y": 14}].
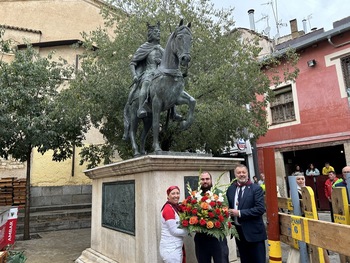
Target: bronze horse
[{"x": 165, "y": 91}]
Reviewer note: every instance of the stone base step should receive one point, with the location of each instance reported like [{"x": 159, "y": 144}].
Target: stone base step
[{"x": 45, "y": 219}]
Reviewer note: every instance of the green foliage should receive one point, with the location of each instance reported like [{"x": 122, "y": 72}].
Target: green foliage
[
  {"x": 33, "y": 114},
  {"x": 16, "y": 257},
  {"x": 225, "y": 74},
  {"x": 96, "y": 154}
]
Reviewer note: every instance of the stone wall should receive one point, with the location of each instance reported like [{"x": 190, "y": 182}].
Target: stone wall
[{"x": 60, "y": 195}]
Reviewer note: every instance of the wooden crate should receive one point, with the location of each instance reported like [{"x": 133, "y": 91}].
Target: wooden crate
[
  {"x": 3, "y": 256},
  {"x": 12, "y": 191}
]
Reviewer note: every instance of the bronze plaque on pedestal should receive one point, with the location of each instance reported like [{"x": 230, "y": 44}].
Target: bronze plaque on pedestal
[{"x": 118, "y": 206}]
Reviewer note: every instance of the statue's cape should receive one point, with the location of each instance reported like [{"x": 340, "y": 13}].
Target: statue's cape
[{"x": 139, "y": 58}]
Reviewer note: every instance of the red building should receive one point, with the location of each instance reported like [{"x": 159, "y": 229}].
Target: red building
[{"x": 310, "y": 118}]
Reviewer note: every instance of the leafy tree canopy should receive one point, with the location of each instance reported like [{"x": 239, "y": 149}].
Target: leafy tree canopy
[
  {"x": 33, "y": 113},
  {"x": 224, "y": 77}
]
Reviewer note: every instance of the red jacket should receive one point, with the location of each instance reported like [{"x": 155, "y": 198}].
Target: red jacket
[{"x": 328, "y": 187}]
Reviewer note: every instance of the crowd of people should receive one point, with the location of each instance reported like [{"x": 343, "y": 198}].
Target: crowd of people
[{"x": 312, "y": 170}]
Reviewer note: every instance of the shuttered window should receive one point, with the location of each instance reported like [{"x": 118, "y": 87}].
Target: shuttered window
[
  {"x": 282, "y": 107},
  {"x": 345, "y": 64}
]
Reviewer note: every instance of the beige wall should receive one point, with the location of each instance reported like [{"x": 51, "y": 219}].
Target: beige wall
[
  {"x": 17, "y": 36},
  {"x": 265, "y": 44},
  {"x": 56, "y": 19},
  {"x": 38, "y": 21}
]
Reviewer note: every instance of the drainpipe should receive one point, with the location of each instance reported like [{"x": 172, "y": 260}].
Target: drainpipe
[
  {"x": 73, "y": 162},
  {"x": 334, "y": 45}
]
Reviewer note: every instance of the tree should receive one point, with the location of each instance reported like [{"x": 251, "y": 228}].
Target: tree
[
  {"x": 33, "y": 114},
  {"x": 224, "y": 77}
]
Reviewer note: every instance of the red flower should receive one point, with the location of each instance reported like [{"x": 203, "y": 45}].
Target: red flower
[
  {"x": 202, "y": 222},
  {"x": 204, "y": 198},
  {"x": 189, "y": 198},
  {"x": 217, "y": 211},
  {"x": 229, "y": 224},
  {"x": 211, "y": 214},
  {"x": 194, "y": 212},
  {"x": 227, "y": 214},
  {"x": 182, "y": 208},
  {"x": 221, "y": 218},
  {"x": 193, "y": 201},
  {"x": 185, "y": 223},
  {"x": 219, "y": 203},
  {"x": 217, "y": 224},
  {"x": 212, "y": 203}
]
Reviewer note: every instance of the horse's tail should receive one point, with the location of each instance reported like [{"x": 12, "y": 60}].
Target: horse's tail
[{"x": 126, "y": 122}]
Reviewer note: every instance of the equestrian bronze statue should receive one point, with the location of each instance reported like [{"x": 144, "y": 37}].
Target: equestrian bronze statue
[{"x": 158, "y": 85}]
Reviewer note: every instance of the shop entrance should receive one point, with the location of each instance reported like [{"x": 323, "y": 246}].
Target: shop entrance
[{"x": 318, "y": 156}]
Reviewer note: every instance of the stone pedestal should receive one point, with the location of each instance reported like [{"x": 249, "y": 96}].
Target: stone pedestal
[{"x": 137, "y": 240}]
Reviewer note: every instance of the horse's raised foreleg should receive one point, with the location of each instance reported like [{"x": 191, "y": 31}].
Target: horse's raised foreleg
[
  {"x": 156, "y": 109},
  {"x": 186, "y": 98}
]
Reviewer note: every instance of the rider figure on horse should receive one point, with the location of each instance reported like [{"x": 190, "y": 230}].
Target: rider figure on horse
[{"x": 143, "y": 67}]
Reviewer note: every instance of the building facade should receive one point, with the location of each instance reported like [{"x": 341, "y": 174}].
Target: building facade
[{"x": 309, "y": 119}]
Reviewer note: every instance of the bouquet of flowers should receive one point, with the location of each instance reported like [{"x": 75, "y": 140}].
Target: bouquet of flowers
[{"x": 207, "y": 213}]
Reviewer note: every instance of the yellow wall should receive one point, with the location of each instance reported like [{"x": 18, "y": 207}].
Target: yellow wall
[
  {"x": 46, "y": 172},
  {"x": 43, "y": 21}
]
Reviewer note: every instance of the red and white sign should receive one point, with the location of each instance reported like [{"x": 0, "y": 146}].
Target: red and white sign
[
  {"x": 11, "y": 226},
  {"x": 3, "y": 221}
]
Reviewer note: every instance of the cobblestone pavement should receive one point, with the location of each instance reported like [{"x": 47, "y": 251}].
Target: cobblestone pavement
[{"x": 63, "y": 246}]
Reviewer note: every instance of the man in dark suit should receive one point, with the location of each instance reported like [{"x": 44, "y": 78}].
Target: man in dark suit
[{"x": 246, "y": 207}]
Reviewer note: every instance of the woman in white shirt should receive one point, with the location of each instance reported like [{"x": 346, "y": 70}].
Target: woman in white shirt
[{"x": 171, "y": 240}]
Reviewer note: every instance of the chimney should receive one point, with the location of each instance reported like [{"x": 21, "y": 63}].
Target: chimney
[
  {"x": 304, "y": 26},
  {"x": 294, "y": 28},
  {"x": 251, "y": 19}
]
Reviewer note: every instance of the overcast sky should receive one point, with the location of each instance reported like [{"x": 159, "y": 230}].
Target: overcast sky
[{"x": 318, "y": 13}]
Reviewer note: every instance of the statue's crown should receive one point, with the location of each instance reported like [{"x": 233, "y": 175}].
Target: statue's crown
[{"x": 151, "y": 27}]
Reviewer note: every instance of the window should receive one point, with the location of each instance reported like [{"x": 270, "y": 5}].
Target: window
[
  {"x": 282, "y": 107},
  {"x": 345, "y": 65}
]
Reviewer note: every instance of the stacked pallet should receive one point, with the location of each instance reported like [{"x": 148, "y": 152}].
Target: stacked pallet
[
  {"x": 19, "y": 192},
  {"x": 6, "y": 191},
  {"x": 12, "y": 191}
]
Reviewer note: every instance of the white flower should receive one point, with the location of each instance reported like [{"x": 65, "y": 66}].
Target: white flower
[
  {"x": 221, "y": 198},
  {"x": 198, "y": 195}
]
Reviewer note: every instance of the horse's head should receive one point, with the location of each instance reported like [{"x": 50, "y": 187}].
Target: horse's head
[{"x": 182, "y": 43}]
